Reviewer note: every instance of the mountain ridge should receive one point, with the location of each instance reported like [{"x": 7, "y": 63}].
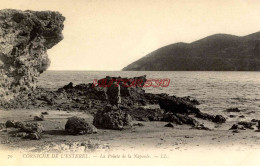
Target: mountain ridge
[{"x": 221, "y": 52}]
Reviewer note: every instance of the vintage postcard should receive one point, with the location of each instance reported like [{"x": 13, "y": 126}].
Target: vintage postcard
[{"x": 129, "y": 82}]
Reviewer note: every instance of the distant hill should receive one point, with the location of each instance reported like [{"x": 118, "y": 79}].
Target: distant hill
[{"x": 219, "y": 52}]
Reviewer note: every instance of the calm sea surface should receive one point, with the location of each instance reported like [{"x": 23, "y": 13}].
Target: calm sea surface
[{"x": 216, "y": 91}]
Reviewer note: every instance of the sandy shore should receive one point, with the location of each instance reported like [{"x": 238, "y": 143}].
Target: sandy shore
[{"x": 150, "y": 141}]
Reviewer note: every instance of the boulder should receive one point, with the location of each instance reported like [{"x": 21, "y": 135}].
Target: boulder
[
  {"x": 112, "y": 118},
  {"x": 10, "y": 123},
  {"x": 79, "y": 126},
  {"x": 219, "y": 119}
]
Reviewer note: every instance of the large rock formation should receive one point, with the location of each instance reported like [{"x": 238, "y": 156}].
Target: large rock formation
[
  {"x": 79, "y": 126},
  {"x": 25, "y": 37},
  {"x": 112, "y": 118}
]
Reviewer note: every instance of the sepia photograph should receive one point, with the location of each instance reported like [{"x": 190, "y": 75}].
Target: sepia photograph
[{"x": 129, "y": 82}]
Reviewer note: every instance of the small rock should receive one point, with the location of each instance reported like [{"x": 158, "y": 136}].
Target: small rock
[
  {"x": 169, "y": 125},
  {"x": 234, "y": 127},
  {"x": 201, "y": 127},
  {"x": 45, "y": 113},
  {"x": 242, "y": 116},
  {"x": 254, "y": 120},
  {"x": 232, "y": 110},
  {"x": 39, "y": 118},
  {"x": 10, "y": 123},
  {"x": 232, "y": 116}
]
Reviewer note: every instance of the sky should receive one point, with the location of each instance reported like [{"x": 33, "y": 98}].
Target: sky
[{"x": 110, "y": 34}]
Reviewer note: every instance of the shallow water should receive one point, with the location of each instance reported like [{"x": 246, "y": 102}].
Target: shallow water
[{"x": 216, "y": 91}]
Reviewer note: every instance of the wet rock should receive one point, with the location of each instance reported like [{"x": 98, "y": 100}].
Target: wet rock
[
  {"x": 10, "y": 123},
  {"x": 176, "y": 105},
  {"x": 39, "y": 118},
  {"x": 169, "y": 125},
  {"x": 190, "y": 100},
  {"x": 179, "y": 119},
  {"x": 79, "y": 126},
  {"x": 213, "y": 118},
  {"x": 219, "y": 119},
  {"x": 25, "y": 38},
  {"x": 254, "y": 120},
  {"x": 234, "y": 127},
  {"x": 205, "y": 116},
  {"x": 112, "y": 118},
  {"x": 233, "y": 110},
  {"x": 248, "y": 125},
  {"x": 169, "y": 117}
]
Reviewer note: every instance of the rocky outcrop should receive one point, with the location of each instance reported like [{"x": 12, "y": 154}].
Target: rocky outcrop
[
  {"x": 79, "y": 126},
  {"x": 176, "y": 105},
  {"x": 25, "y": 37},
  {"x": 112, "y": 118}
]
